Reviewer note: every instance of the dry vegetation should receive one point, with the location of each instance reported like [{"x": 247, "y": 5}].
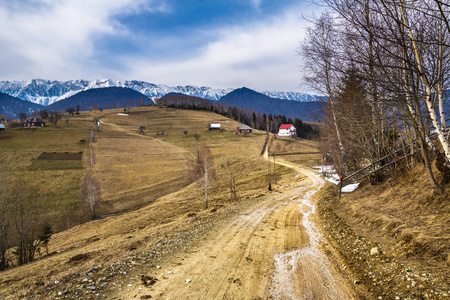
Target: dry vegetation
[
  {"x": 406, "y": 221},
  {"x": 148, "y": 176}
]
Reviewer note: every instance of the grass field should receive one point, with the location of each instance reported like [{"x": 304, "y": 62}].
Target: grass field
[
  {"x": 148, "y": 175},
  {"x": 133, "y": 169}
]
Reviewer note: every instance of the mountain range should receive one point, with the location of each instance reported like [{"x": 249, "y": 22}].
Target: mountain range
[{"x": 46, "y": 92}]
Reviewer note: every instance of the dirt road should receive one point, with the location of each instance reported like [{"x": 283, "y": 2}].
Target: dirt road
[{"x": 269, "y": 252}]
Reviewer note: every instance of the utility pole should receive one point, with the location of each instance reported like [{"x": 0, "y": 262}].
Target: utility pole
[
  {"x": 274, "y": 167},
  {"x": 268, "y": 154}
]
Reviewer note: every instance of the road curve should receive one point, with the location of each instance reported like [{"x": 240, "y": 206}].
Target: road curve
[{"x": 269, "y": 252}]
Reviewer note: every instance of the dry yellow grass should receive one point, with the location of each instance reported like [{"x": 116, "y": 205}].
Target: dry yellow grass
[{"x": 152, "y": 174}]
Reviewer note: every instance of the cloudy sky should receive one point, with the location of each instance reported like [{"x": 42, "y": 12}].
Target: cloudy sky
[{"x": 216, "y": 43}]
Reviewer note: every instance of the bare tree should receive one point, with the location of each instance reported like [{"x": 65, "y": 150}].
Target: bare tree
[
  {"x": 322, "y": 66},
  {"x": 231, "y": 181},
  {"x": 45, "y": 236},
  {"x": 43, "y": 114},
  {"x": 92, "y": 140},
  {"x": 142, "y": 129},
  {"x": 204, "y": 168},
  {"x": 23, "y": 116},
  {"x": 90, "y": 193},
  {"x": 402, "y": 50},
  {"x": 27, "y": 207},
  {"x": 5, "y": 214},
  {"x": 70, "y": 111},
  {"x": 55, "y": 116}
]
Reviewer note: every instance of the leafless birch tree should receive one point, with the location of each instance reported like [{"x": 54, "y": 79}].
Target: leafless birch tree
[{"x": 204, "y": 168}]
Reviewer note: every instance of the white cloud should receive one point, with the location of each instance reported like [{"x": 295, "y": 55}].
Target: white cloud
[
  {"x": 259, "y": 56},
  {"x": 47, "y": 37},
  {"x": 59, "y": 40}
]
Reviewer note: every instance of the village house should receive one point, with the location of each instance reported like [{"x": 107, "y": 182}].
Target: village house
[
  {"x": 214, "y": 126},
  {"x": 2, "y": 127},
  {"x": 244, "y": 129},
  {"x": 33, "y": 122},
  {"x": 287, "y": 130}
]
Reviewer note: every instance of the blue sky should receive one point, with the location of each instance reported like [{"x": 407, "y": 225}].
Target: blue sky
[{"x": 216, "y": 43}]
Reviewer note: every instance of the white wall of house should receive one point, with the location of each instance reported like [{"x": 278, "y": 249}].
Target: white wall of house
[{"x": 288, "y": 132}]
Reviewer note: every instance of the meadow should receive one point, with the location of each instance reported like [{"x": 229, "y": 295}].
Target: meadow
[{"x": 133, "y": 168}]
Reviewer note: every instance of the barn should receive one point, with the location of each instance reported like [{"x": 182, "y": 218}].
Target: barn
[
  {"x": 33, "y": 122},
  {"x": 244, "y": 129}
]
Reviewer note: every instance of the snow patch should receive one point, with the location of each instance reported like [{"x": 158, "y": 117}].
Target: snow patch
[
  {"x": 286, "y": 263},
  {"x": 330, "y": 175},
  {"x": 350, "y": 188}
]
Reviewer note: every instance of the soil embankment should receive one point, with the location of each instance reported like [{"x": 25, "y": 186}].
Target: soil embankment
[{"x": 392, "y": 244}]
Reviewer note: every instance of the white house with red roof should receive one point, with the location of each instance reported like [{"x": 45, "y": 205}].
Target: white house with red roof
[{"x": 287, "y": 130}]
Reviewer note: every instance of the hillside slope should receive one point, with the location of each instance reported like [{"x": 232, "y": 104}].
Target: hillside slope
[
  {"x": 160, "y": 241},
  {"x": 405, "y": 222},
  {"x": 12, "y": 106},
  {"x": 251, "y": 100}
]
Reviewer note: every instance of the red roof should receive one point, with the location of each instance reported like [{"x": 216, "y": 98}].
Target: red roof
[{"x": 286, "y": 126}]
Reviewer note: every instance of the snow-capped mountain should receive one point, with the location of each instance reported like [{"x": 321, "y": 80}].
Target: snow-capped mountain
[{"x": 46, "y": 92}]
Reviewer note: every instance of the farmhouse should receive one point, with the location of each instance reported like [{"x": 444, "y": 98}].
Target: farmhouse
[
  {"x": 2, "y": 127},
  {"x": 33, "y": 122},
  {"x": 287, "y": 130},
  {"x": 214, "y": 126},
  {"x": 244, "y": 129}
]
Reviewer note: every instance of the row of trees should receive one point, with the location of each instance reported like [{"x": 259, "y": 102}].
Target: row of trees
[
  {"x": 21, "y": 222},
  {"x": 252, "y": 118},
  {"x": 384, "y": 66}
]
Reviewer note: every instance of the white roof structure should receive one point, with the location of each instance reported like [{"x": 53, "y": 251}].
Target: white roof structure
[{"x": 244, "y": 127}]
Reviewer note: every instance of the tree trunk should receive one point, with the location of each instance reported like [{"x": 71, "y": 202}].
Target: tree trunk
[{"x": 428, "y": 169}]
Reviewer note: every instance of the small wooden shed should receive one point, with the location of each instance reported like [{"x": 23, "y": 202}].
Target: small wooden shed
[{"x": 244, "y": 129}]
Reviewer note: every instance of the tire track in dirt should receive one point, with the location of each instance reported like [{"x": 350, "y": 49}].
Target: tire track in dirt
[
  {"x": 269, "y": 252},
  {"x": 305, "y": 273}
]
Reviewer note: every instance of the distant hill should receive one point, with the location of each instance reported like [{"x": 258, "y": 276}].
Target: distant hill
[
  {"x": 12, "y": 106},
  {"x": 251, "y": 100},
  {"x": 110, "y": 97}
]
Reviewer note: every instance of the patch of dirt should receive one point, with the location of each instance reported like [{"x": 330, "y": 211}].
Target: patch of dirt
[{"x": 60, "y": 156}]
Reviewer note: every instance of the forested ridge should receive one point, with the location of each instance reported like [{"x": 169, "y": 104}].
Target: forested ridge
[{"x": 251, "y": 118}]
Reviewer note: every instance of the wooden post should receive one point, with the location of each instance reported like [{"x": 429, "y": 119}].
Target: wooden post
[
  {"x": 341, "y": 179},
  {"x": 268, "y": 154},
  {"x": 274, "y": 168}
]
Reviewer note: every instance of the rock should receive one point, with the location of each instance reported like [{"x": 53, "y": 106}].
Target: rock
[{"x": 374, "y": 251}]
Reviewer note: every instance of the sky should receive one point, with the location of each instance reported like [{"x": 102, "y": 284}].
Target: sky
[{"x": 215, "y": 43}]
